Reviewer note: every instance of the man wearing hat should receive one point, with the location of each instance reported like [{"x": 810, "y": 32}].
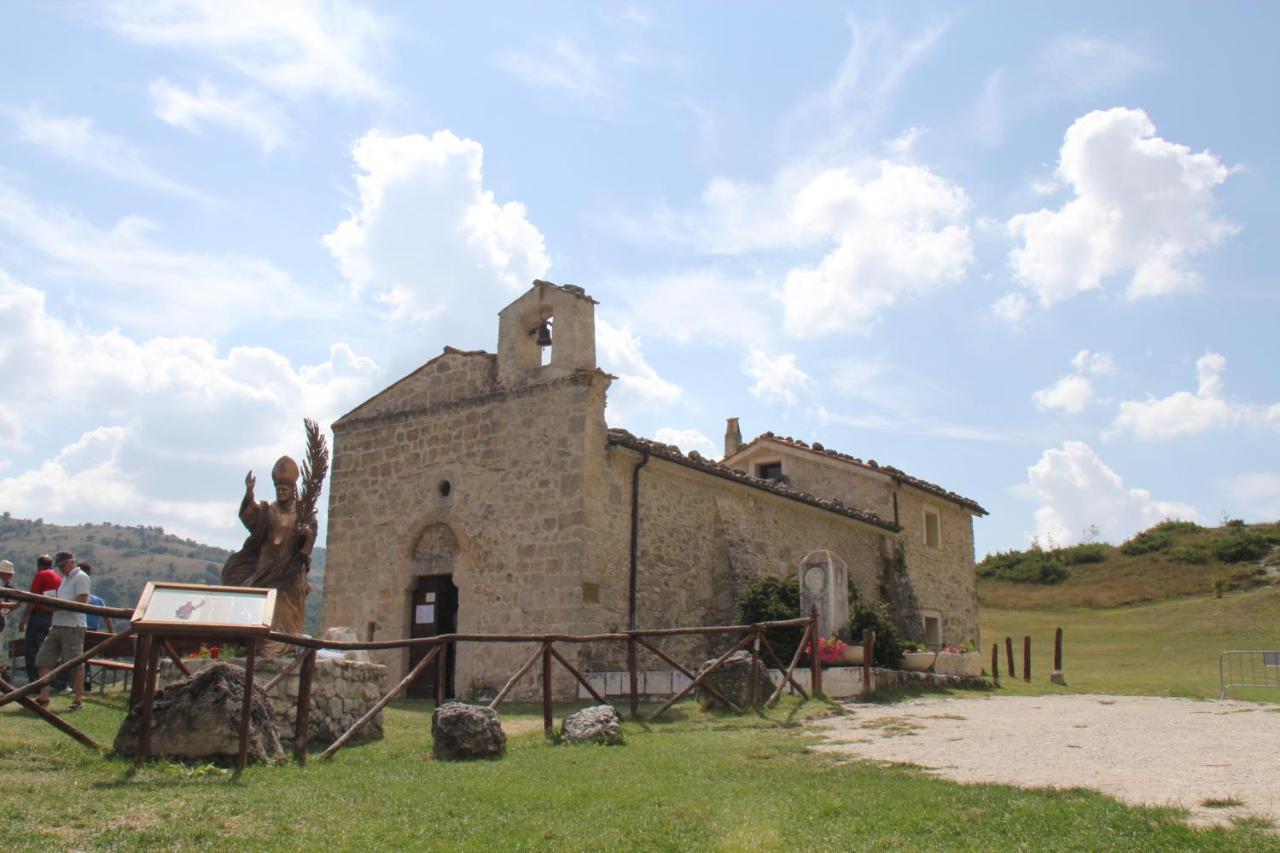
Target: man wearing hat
[{"x": 66, "y": 635}]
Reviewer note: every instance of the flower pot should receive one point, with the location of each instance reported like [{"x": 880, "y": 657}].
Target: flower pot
[
  {"x": 918, "y": 661},
  {"x": 852, "y": 655}
]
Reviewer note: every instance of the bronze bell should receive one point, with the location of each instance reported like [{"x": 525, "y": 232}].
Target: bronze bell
[{"x": 544, "y": 334}]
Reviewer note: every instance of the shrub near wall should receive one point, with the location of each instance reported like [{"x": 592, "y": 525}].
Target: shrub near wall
[{"x": 770, "y": 600}]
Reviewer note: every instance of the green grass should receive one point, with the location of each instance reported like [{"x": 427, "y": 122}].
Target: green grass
[
  {"x": 696, "y": 782},
  {"x": 1168, "y": 648}
]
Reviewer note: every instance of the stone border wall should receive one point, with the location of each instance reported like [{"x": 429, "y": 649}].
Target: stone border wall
[
  {"x": 341, "y": 692},
  {"x": 838, "y": 682}
]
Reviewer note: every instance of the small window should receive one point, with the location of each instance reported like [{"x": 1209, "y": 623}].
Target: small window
[
  {"x": 932, "y": 529},
  {"x": 445, "y": 488},
  {"x": 769, "y": 471}
]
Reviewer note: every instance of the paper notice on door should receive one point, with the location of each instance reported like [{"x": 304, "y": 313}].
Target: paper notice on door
[{"x": 424, "y": 613}]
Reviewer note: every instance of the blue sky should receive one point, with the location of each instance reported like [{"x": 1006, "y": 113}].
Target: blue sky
[{"x": 1026, "y": 252}]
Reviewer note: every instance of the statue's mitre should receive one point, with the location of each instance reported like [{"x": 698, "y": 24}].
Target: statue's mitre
[{"x": 285, "y": 471}]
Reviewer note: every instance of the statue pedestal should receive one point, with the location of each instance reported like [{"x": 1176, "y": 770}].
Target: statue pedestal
[{"x": 341, "y": 692}]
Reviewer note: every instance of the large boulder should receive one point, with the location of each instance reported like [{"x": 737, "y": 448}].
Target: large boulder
[
  {"x": 732, "y": 680},
  {"x": 199, "y": 718},
  {"x": 597, "y": 724},
  {"x": 461, "y": 731}
]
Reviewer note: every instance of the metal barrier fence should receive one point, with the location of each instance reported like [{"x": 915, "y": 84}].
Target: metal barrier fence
[{"x": 1248, "y": 669}]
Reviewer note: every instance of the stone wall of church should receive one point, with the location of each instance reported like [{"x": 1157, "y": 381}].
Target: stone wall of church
[
  {"x": 943, "y": 577},
  {"x": 514, "y": 461}
]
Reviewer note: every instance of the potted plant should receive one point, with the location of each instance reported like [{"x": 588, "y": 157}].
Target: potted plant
[
  {"x": 916, "y": 657},
  {"x": 959, "y": 660}
]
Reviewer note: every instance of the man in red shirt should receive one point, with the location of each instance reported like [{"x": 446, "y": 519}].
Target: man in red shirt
[{"x": 36, "y": 620}]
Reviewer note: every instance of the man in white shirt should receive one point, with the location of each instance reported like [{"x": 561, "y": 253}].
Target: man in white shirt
[{"x": 66, "y": 636}]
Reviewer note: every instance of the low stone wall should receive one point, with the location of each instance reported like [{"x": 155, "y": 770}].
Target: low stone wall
[
  {"x": 341, "y": 692},
  {"x": 838, "y": 682}
]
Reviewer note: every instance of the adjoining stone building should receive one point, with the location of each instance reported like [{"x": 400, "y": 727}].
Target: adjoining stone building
[{"x": 485, "y": 493}]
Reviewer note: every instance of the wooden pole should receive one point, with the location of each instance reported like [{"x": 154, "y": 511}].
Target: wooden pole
[
  {"x": 1057, "y": 650},
  {"x": 302, "y": 725},
  {"x": 995, "y": 663},
  {"x": 141, "y": 652},
  {"x": 148, "y": 697},
  {"x": 689, "y": 675},
  {"x": 691, "y": 685},
  {"x": 381, "y": 703},
  {"x": 868, "y": 655},
  {"x": 177, "y": 659},
  {"x": 246, "y": 702},
  {"x": 815, "y": 661},
  {"x": 574, "y": 672},
  {"x": 786, "y": 670},
  {"x": 511, "y": 682},
  {"x": 52, "y": 718},
  {"x": 753, "y": 685},
  {"x": 441, "y": 686},
  {"x": 633, "y": 677},
  {"x": 286, "y": 672},
  {"x": 795, "y": 659},
  {"x": 1026, "y": 658},
  {"x": 1008, "y": 653},
  {"x": 548, "y": 715}
]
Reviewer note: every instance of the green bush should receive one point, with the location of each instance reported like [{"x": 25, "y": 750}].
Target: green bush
[
  {"x": 1242, "y": 545},
  {"x": 1090, "y": 552},
  {"x": 1195, "y": 553},
  {"x": 1147, "y": 542},
  {"x": 770, "y": 600},
  {"x": 1030, "y": 566},
  {"x": 1173, "y": 525},
  {"x": 874, "y": 616}
]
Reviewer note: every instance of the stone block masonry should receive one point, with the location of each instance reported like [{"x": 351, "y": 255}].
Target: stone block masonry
[{"x": 341, "y": 692}]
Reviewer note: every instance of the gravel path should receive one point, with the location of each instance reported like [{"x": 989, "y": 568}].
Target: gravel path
[{"x": 1142, "y": 750}]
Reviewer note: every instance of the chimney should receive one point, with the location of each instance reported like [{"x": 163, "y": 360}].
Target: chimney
[{"x": 732, "y": 437}]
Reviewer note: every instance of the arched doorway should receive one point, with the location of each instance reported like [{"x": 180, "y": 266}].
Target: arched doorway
[{"x": 433, "y": 604}]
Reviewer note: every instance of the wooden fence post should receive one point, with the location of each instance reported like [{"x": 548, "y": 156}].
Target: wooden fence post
[
  {"x": 753, "y": 686},
  {"x": 1026, "y": 658},
  {"x": 995, "y": 663},
  {"x": 1057, "y": 650},
  {"x": 548, "y": 717},
  {"x": 868, "y": 658},
  {"x": 442, "y": 674},
  {"x": 815, "y": 661},
  {"x": 1008, "y": 653},
  {"x": 302, "y": 726},
  {"x": 246, "y": 703},
  {"x": 149, "y": 666},
  {"x": 633, "y": 677}
]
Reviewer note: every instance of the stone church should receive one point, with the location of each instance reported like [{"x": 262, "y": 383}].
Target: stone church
[{"x": 485, "y": 493}]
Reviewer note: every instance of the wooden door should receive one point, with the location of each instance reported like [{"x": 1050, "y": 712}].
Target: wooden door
[{"x": 433, "y": 610}]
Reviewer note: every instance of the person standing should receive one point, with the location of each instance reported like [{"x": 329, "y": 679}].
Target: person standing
[
  {"x": 66, "y": 634},
  {"x": 36, "y": 619}
]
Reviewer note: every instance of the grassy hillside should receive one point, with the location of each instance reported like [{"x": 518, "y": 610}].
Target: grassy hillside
[
  {"x": 125, "y": 558},
  {"x": 1174, "y": 559}
]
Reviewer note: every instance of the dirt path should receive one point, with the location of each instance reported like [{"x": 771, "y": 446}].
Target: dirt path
[{"x": 1142, "y": 750}]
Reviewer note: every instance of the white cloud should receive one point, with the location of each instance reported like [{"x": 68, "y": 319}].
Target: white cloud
[
  {"x": 1076, "y": 490},
  {"x": 775, "y": 378},
  {"x": 147, "y": 409},
  {"x": 171, "y": 289},
  {"x": 76, "y": 140},
  {"x": 1012, "y": 308},
  {"x": 1070, "y": 394},
  {"x": 295, "y": 47},
  {"x": 427, "y": 233},
  {"x": 639, "y": 386},
  {"x": 1256, "y": 496},
  {"x": 1188, "y": 413},
  {"x": 1142, "y": 205},
  {"x": 698, "y": 305},
  {"x": 688, "y": 439},
  {"x": 249, "y": 114},
  {"x": 887, "y": 231},
  {"x": 1094, "y": 363},
  {"x": 561, "y": 65}
]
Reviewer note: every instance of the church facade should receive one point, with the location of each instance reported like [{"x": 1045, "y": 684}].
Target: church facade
[{"x": 484, "y": 493}]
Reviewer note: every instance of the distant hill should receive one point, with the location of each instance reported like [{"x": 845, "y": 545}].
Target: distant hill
[
  {"x": 125, "y": 558},
  {"x": 1173, "y": 559}
]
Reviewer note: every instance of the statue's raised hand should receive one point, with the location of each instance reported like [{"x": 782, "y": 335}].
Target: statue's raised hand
[{"x": 249, "y": 483}]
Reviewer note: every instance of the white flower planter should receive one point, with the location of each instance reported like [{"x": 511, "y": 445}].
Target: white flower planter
[{"x": 918, "y": 661}]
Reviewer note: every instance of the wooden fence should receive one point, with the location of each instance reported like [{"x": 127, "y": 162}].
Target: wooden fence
[{"x": 146, "y": 649}]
